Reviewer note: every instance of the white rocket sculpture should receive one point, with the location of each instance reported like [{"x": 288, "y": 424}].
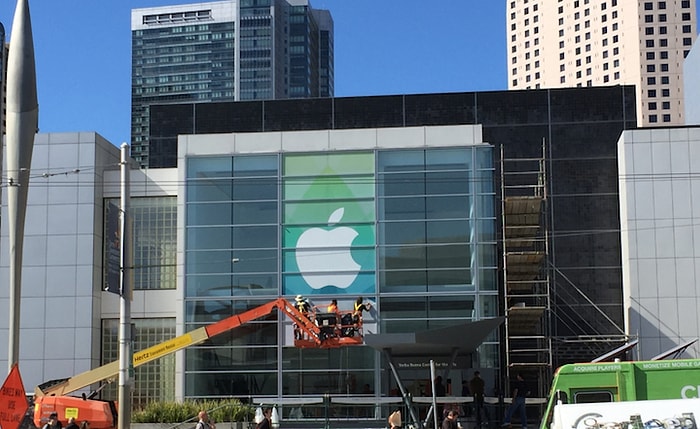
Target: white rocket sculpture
[{"x": 22, "y": 121}]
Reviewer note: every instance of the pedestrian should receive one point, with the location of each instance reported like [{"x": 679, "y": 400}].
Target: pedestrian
[
  {"x": 53, "y": 422},
  {"x": 439, "y": 387},
  {"x": 450, "y": 421},
  {"x": 265, "y": 422},
  {"x": 204, "y": 421},
  {"x": 520, "y": 391},
  {"x": 85, "y": 425},
  {"x": 72, "y": 424},
  {"x": 476, "y": 388},
  {"x": 395, "y": 420}
]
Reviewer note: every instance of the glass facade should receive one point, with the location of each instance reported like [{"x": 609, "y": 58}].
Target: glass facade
[
  {"x": 154, "y": 381},
  {"x": 257, "y": 53},
  {"x": 154, "y": 223},
  {"x": 256, "y": 50},
  {"x": 178, "y": 61},
  {"x": 410, "y": 230}
]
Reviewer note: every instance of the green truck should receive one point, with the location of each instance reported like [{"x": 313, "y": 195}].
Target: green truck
[{"x": 602, "y": 395}]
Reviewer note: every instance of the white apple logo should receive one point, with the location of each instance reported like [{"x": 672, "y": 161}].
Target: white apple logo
[{"x": 323, "y": 256}]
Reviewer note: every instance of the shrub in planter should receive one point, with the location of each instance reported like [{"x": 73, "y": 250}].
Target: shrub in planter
[{"x": 226, "y": 410}]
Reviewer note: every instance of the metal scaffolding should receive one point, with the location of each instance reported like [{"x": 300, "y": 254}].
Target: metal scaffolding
[{"x": 526, "y": 278}]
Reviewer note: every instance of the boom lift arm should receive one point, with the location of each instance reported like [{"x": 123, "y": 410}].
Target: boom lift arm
[{"x": 308, "y": 334}]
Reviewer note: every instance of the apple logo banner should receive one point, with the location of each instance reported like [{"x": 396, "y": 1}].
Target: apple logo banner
[{"x": 327, "y": 250}]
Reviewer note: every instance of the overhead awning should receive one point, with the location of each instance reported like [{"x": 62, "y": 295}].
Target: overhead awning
[
  {"x": 675, "y": 351},
  {"x": 463, "y": 338},
  {"x": 610, "y": 356}
]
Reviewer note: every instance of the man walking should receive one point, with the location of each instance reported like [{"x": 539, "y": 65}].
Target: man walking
[{"x": 520, "y": 392}]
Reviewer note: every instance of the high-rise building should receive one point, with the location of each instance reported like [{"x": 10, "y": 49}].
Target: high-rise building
[
  {"x": 553, "y": 44},
  {"x": 225, "y": 51}
]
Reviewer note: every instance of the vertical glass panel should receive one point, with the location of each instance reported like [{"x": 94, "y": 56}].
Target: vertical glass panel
[
  {"x": 486, "y": 230},
  {"x": 397, "y": 184},
  {"x": 489, "y": 356},
  {"x": 254, "y": 260},
  {"x": 255, "y": 212},
  {"x": 209, "y": 214},
  {"x": 403, "y": 208},
  {"x": 448, "y": 159},
  {"x": 404, "y": 307},
  {"x": 255, "y": 189},
  {"x": 399, "y": 326},
  {"x": 329, "y": 213},
  {"x": 447, "y": 182},
  {"x": 208, "y": 167},
  {"x": 205, "y": 311},
  {"x": 402, "y": 257},
  {"x": 329, "y": 187},
  {"x": 232, "y": 358},
  {"x": 353, "y": 358},
  {"x": 448, "y": 207},
  {"x": 489, "y": 306},
  {"x": 247, "y": 237},
  {"x": 449, "y": 256},
  {"x": 210, "y": 190},
  {"x": 487, "y": 279},
  {"x": 440, "y": 279},
  {"x": 255, "y": 165},
  {"x": 484, "y": 157},
  {"x": 404, "y": 160},
  {"x": 237, "y": 285},
  {"x": 407, "y": 233},
  {"x": 486, "y": 206},
  {"x": 209, "y": 238},
  {"x": 487, "y": 255},
  {"x": 483, "y": 181},
  {"x": 460, "y": 307},
  {"x": 455, "y": 231},
  {"x": 209, "y": 285},
  {"x": 403, "y": 281},
  {"x": 218, "y": 384},
  {"x": 334, "y": 164},
  {"x": 209, "y": 262}
]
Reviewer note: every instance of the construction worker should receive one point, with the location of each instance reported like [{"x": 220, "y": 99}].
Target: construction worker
[
  {"x": 302, "y": 304},
  {"x": 332, "y": 307},
  {"x": 359, "y": 307}
]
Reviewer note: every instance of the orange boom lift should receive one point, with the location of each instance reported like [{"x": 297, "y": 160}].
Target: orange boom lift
[{"x": 311, "y": 330}]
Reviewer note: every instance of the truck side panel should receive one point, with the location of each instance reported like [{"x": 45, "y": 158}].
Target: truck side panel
[{"x": 669, "y": 413}]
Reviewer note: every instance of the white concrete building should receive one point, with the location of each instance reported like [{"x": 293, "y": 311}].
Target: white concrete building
[
  {"x": 553, "y": 44},
  {"x": 691, "y": 84},
  {"x": 659, "y": 176}
]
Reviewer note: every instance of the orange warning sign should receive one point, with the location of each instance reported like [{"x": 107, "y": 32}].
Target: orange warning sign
[{"x": 13, "y": 402}]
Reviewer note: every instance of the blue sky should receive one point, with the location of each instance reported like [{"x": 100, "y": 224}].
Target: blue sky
[{"x": 83, "y": 53}]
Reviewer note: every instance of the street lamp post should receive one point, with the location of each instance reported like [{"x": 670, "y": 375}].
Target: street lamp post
[{"x": 125, "y": 354}]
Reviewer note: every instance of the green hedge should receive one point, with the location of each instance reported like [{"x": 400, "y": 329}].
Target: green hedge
[{"x": 226, "y": 410}]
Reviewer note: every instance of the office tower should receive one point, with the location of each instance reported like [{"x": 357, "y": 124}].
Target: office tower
[
  {"x": 596, "y": 43},
  {"x": 225, "y": 51}
]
